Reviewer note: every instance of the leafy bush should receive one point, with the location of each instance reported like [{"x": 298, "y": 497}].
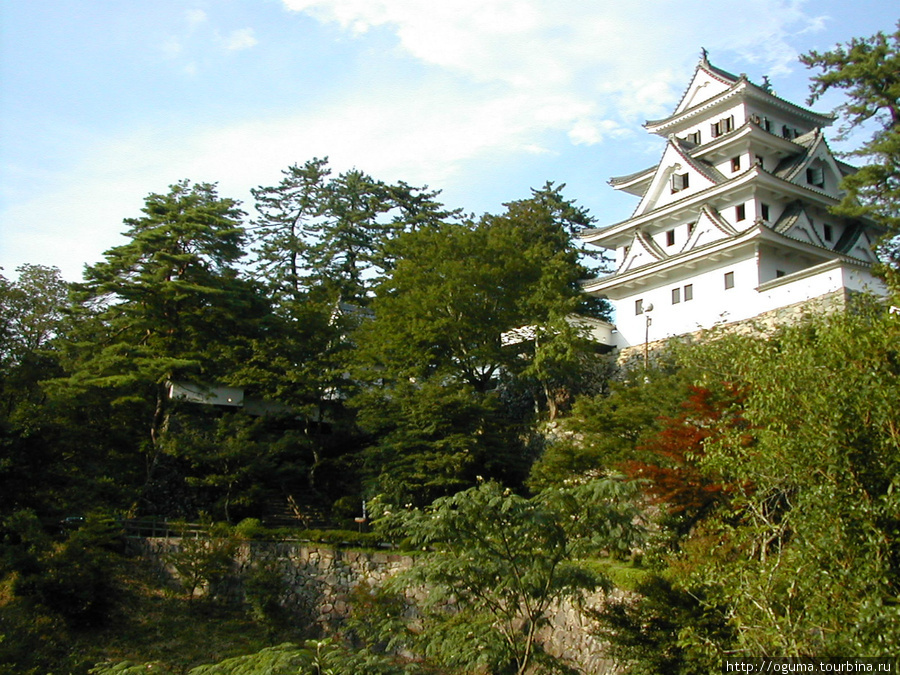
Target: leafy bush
[{"x": 74, "y": 578}]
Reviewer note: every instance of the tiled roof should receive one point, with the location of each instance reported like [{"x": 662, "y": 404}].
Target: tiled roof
[
  {"x": 700, "y": 165},
  {"x": 788, "y": 217}
]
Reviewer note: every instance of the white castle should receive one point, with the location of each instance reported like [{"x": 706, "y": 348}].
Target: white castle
[{"x": 733, "y": 221}]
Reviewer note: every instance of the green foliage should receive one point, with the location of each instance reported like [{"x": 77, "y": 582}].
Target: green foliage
[
  {"x": 664, "y": 630},
  {"x": 798, "y": 556},
  {"x": 204, "y": 561},
  {"x": 868, "y": 71},
  {"x": 819, "y": 516},
  {"x": 433, "y": 440},
  {"x": 501, "y": 560},
  {"x": 264, "y": 590},
  {"x": 326, "y": 237},
  {"x": 606, "y": 430},
  {"x": 284, "y": 659},
  {"x": 73, "y": 578}
]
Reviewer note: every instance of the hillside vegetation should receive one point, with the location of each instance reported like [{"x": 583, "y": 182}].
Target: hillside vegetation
[{"x": 745, "y": 488}]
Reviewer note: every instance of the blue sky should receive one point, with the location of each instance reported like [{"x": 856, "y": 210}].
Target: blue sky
[{"x": 105, "y": 101}]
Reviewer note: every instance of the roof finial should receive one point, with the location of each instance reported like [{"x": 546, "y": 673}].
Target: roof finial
[
  {"x": 704, "y": 55},
  {"x": 766, "y": 85}
]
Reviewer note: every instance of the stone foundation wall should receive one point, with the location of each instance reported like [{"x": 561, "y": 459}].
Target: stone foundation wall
[{"x": 318, "y": 583}]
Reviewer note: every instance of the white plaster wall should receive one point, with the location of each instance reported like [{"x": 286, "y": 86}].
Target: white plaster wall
[{"x": 711, "y": 303}]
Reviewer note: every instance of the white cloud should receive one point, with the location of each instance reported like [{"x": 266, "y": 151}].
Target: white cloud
[
  {"x": 636, "y": 55},
  {"x": 195, "y": 17},
  {"x": 240, "y": 39}
]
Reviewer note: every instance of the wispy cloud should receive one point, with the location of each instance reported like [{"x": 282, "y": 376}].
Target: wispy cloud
[
  {"x": 195, "y": 17},
  {"x": 497, "y": 83},
  {"x": 595, "y": 49},
  {"x": 240, "y": 39}
]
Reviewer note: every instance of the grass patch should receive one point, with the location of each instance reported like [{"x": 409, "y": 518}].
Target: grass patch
[
  {"x": 149, "y": 623},
  {"x": 623, "y": 574}
]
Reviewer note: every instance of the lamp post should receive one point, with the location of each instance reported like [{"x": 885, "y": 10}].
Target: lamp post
[{"x": 647, "y": 310}]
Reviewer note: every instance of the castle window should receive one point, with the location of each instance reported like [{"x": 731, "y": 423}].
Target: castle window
[
  {"x": 680, "y": 182},
  {"x": 740, "y": 212},
  {"x": 779, "y": 274},
  {"x": 786, "y": 131},
  {"x": 676, "y": 296},
  {"x": 767, "y": 124},
  {"x": 764, "y": 211},
  {"x": 735, "y": 163},
  {"x": 828, "y": 232},
  {"x": 670, "y": 238},
  {"x": 815, "y": 175},
  {"x": 729, "y": 280},
  {"x": 723, "y": 126},
  {"x": 693, "y": 137},
  {"x": 639, "y": 306},
  {"x": 689, "y": 292}
]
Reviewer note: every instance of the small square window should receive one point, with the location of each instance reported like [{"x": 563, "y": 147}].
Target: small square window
[
  {"x": 670, "y": 238},
  {"x": 779, "y": 274},
  {"x": 676, "y": 296},
  {"x": 735, "y": 163},
  {"x": 764, "y": 211},
  {"x": 815, "y": 175},
  {"x": 680, "y": 181},
  {"x": 689, "y": 292},
  {"x": 694, "y": 137},
  {"x": 740, "y": 212},
  {"x": 729, "y": 280},
  {"x": 639, "y": 306}
]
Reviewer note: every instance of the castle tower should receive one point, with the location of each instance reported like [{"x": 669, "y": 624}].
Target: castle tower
[{"x": 733, "y": 221}]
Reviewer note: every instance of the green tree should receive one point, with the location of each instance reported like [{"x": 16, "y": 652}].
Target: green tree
[
  {"x": 31, "y": 311},
  {"x": 327, "y": 235},
  {"x": 432, "y": 440},
  {"x": 457, "y": 288},
  {"x": 498, "y": 561},
  {"x": 168, "y": 304},
  {"x": 868, "y": 71},
  {"x": 289, "y": 226},
  {"x": 798, "y": 555},
  {"x": 437, "y": 336}
]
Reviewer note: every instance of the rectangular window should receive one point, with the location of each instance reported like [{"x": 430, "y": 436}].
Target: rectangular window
[
  {"x": 689, "y": 292},
  {"x": 740, "y": 212},
  {"x": 786, "y": 131},
  {"x": 767, "y": 124},
  {"x": 815, "y": 175},
  {"x": 638, "y": 306},
  {"x": 680, "y": 182},
  {"x": 693, "y": 137},
  {"x": 723, "y": 126},
  {"x": 764, "y": 211},
  {"x": 779, "y": 274},
  {"x": 828, "y": 232},
  {"x": 729, "y": 280},
  {"x": 676, "y": 296},
  {"x": 670, "y": 238},
  {"x": 735, "y": 163}
]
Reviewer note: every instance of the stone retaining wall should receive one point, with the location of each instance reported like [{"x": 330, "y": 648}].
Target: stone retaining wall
[{"x": 318, "y": 582}]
